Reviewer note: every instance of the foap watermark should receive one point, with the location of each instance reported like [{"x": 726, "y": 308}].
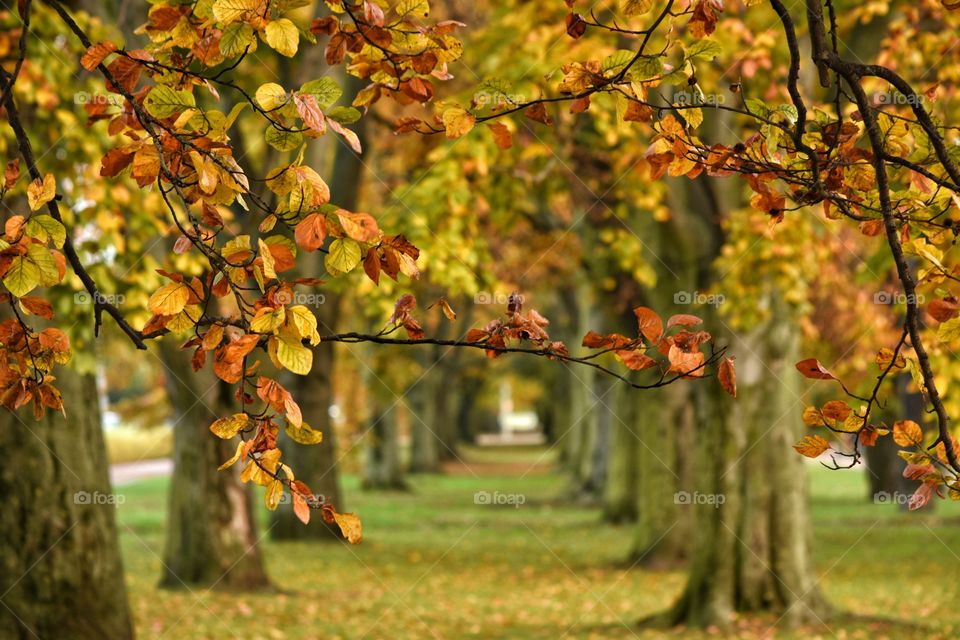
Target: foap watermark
[
  {"x": 493, "y": 98},
  {"x": 698, "y": 99},
  {"x": 688, "y": 498},
  {"x": 105, "y": 99},
  {"x": 113, "y": 299},
  {"x": 897, "y": 297},
  {"x": 895, "y": 98},
  {"x": 885, "y": 497},
  {"x": 699, "y": 298},
  {"x": 499, "y": 499},
  {"x": 488, "y": 297},
  {"x": 305, "y": 299},
  {"x": 98, "y": 497}
]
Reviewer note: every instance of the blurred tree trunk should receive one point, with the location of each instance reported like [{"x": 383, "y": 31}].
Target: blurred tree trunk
[
  {"x": 59, "y": 553},
  {"x": 211, "y": 532},
  {"x": 752, "y": 550},
  {"x": 382, "y": 469},
  {"x": 884, "y": 466}
]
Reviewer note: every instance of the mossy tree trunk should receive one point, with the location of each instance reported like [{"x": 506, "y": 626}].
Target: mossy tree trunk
[
  {"x": 753, "y": 540},
  {"x": 211, "y": 532},
  {"x": 62, "y": 574}
]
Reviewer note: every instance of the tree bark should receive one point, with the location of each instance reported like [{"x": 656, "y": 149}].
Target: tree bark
[
  {"x": 211, "y": 532},
  {"x": 382, "y": 468},
  {"x": 753, "y": 544},
  {"x": 60, "y": 558}
]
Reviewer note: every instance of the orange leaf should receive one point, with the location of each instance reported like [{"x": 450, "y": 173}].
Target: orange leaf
[
  {"x": 650, "y": 324},
  {"x": 812, "y": 446},
  {"x": 907, "y": 433},
  {"x": 95, "y": 55},
  {"x": 501, "y": 135},
  {"x": 311, "y": 231}
]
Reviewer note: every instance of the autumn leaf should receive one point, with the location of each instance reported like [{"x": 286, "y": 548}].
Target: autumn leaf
[
  {"x": 41, "y": 191},
  {"x": 170, "y": 299},
  {"x": 457, "y": 122},
  {"x": 812, "y": 446},
  {"x": 282, "y": 35},
  {"x": 885, "y": 358},
  {"x": 811, "y": 368},
  {"x": 728, "y": 376},
  {"x": 227, "y": 428},
  {"x": 907, "y": 433},
  {"x": 501, "y": 135},
  {"x": 95, "y": 54},
  {"x": 359, "y": 226},
  {"x": 683, "y": 319},
  {"x": 650, "y": 324}
]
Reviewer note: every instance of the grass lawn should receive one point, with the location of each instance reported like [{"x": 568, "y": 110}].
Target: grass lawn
[{"x": 436, "y": 565}]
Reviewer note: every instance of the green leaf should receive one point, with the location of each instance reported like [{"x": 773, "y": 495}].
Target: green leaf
[
  {"x": 41, "y": 256},
  {"x": 324, "y": 90},
  {"x": 344, "y": 255},
  {"x": 705, "y": 49},
  {"x": 45, "y": 228},
  {"x": 22, "y": 277},
  {"x": 343, "y": 115},
  {"x": 236, "y": 38},
  {"x": 283, "y": 140},
  {"x": 282, "y": 35},
  {"x": 163, "y": 102}
]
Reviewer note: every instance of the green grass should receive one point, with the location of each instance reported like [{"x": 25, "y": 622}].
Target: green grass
[{"x": 435, "y": 565}]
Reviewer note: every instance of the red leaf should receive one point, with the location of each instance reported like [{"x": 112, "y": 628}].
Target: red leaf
[
  {"x": 811, "y": 368},
  {"x": 684, "y": 319}
]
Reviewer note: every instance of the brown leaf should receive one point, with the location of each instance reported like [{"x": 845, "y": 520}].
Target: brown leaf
[
  {"x": 538, "y": 113},
  {"x": 684, "y": 319},
  {"x": 576, "y": 26},
  {"x": 811, "y": 368},
  {"x": 728, "y": 376},
  {"x": 95, "y": 55},
  {"x": 636, "y": 360},
  {"x": 943, "y": 310}
]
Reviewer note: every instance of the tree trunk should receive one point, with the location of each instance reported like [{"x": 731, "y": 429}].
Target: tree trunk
[
  {"x": 211, "y": 532},
  {"x": 424, "y": 444},
  {"x": 753, "y": 544},
  {"x": 60, "y": 558},
  {"x": 382, "y": 468}
]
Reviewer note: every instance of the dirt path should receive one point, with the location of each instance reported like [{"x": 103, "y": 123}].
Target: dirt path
[{"x": 128, "y": 472}]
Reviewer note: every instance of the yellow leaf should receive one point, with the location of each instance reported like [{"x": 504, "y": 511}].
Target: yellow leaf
[
  {"x": 636, "y": 7},
  {"x": 304, "y": 434},
  {"x": 343, "y": 256},
  {"x": 274, "y": 495},
  {"x": 949, "y": 330},
  {"x": 170, "y": 299},
  {"x": 40, "y": 192},
  {"x": 227, "y": 428},
  {"x": 295, "y": 357},
  {"x": 812, "y": 446},
  {"x": 227, "y": 11},
  {"x": 350, "y": 526},
  {"x": 304, "y": 323},
  {"x": 229, "y": 463},
  {"x": 457, "y": 122},
  {"x": 267, "y": 320},
  {"x": 270, "y": 96},
  {"x": 283, "y": 36}
]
